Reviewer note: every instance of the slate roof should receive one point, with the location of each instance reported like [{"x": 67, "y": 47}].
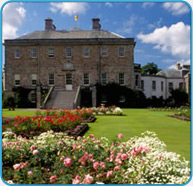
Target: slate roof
[
  {"x": 78, "y": 34},
  {"x": 170, "y": 73}
]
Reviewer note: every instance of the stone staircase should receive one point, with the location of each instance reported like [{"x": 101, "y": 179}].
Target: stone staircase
[{"x": 61, "y": 98}]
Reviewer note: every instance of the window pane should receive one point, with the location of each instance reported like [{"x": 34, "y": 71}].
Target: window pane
[
  {"x": 154, "y": 85},
  {"x": 103, "y": 51},
  {"x": 142, "y": 84},
  {"x": 17, "y": 53},
  {"x": 68, "y": 52},
  {"x": 136, "y": 80},
  {"x": 69, "y": 79},
  {"x": 34, "y": 53},
  {"x": 121, "y": 79},
  {"x": 86, "y": 52},
  {"x": 51, "y": 79},
  {"x": 86, "y": 79},
  {"x": 170, "y": 86},
  {"x": 51, "y": 52},
  {"x": 162, "y": 86},
  {"x": 103, "y": 78},
  {"x": 121, "y": 51}
]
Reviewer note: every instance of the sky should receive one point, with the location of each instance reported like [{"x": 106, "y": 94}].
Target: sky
[{"x": 161, "y": 30}]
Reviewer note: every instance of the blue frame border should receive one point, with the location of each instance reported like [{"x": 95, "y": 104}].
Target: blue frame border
[{"x": 90, "y": 1}]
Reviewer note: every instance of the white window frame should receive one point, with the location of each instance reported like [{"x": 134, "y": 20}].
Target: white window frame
[
  {"x": 17, "y": 80},
  {"x": 34, "y": 51},
  {"x": 68, "y": 52},
  {"x": 104, "y": 73},
  {"x": 17, "y": 53},
  {"x": 121, "y": 47},
  {"x": 86, "y": 79},
  {"x": 121, "y": 79},
  {"x": 51, "y": 52},
  {"x": 34, "y": 79},
  {"x": 86, "y": 52},
  {"x": 102, "y": 52},
  {"x": 51, "y": 79}
]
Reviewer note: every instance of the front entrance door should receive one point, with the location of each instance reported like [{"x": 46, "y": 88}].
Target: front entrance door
[{"x": 68, "y": 81}]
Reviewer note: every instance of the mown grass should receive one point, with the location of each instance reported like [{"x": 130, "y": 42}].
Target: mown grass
[
  {"x": 18, "y": 112},
  {"x": 175, "y": 133}
]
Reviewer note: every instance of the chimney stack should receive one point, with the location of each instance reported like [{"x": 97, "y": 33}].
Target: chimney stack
[
  {"x": 95, "y": 24},
  {"x": 49, "y": 26}
]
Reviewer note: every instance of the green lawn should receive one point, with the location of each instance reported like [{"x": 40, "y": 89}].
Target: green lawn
[
  {"x": 175, "y": 133},
  {"x": 18, "y": 112}
]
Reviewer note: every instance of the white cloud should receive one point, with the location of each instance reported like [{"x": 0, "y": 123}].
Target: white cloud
[
  {"x": 169, "y": 60},
  {"x": 155, "y": 25},
  {"x": 108, "y": 4},
  {"x": 176, "y": 8},
  {"x": 69, "y": 8},
  {"x": 13, "y": 17},
  {"x": 147, "y": 5},
  {"x": 174, "y": 40}
]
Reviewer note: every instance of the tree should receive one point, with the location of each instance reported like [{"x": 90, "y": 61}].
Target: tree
[
  {"x": 180, "y": 97},
  {"x": 150, "y": 68}
]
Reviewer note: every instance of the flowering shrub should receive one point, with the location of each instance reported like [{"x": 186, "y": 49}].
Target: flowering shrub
[
  {"x": 102, "y": 110},
  {"x": 58, "y": 159}
]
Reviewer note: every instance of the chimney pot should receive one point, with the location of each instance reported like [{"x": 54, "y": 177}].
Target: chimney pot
[{"x": 95, "y": 24}]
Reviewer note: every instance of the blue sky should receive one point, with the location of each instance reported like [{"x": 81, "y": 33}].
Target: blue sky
[{"x": 161, "y": 30}]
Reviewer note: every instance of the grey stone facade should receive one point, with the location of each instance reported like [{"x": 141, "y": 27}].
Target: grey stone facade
[{"x": 24, "y": 66}]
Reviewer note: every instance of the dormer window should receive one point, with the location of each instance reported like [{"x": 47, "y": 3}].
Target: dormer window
[
  {"x": 51, "y": 52},
  {"x": 17, "y": 53}
]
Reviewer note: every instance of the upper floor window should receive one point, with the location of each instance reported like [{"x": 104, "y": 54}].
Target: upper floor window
[
  {"x": 86, "y": 79},
  {"x": 34, "y": 79},
  {"x": 121, "y": 52},
  {"x": 136, "y": 80},
  {"x": 170, "y": 86},
  {"x": 68, "y": 52},
  {"x": 33, "y": 97},
  {"x": 121, "y": 79},
  {"x": 69, "y": 79},
  {"x": 142, "y": 84},
  {"x": 51, "y": 52},
  {"x": 51, "y": 79},
  {"x": 162, "y": 86},
  {"x": 17, "y": 79},
  {"x": 34, "y": 53},
  {"x": 17, "y": 53},
  {"x": 154, "y": 85},
  {"x": 103, "y": 51},
  {"x": 86, "y": 52},
  {"x": 104, "y": 78}
]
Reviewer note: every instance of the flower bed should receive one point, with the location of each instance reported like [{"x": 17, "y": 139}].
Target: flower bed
[
  {"x": 64, "y": 120},
  {"x": 58, "y": 159},
  {"x": 102, "y": 110},
  {"x": 179, "y": 117}
]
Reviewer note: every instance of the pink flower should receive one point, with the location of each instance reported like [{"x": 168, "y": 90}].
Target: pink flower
[
  {"x": 29, "y": 173},
  {"x": 84, "y": 140},
  {"x": 91, "y": 135},
  {"x": 96, "y": 165},
  {"x": 118, "y": 161},
  {"x": 102, "y": 164},
  {"x": 120, "y": 136},
  {"x": 74, "y": 146},
  {"x": 87, "y": 179},
  {"x": 76, "y": 180},
  {"x": 35, "y": 152},
  {"x": 124, "y": 156},
  {"x": 92, "y": 139},
  {"x": 32, "y": 147},
  {"x": 59, "y": 142},
  {"x": 53, "y": 178},
  {"x": 16, "y": 166},
  {"x": 79, "y": 138},
  {"x": 67, "y": 162},
  {"x": 116, "y": 168},
  {"x": 109, "y": 174},
  {"x": 160, "y": 157}
]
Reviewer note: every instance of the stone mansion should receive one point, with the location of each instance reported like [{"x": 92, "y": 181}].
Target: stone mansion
[{"x": 68, "y": 65}]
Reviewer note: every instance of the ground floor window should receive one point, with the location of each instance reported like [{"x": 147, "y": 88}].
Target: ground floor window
[
  {"x": 104, "y": 78},
  {"x": 154, "y": 85},
  {"x": 17, "y": 79},
  {"x": 69, "y": 79},
  {"x": 170, "y": 86},
  {"x": 34, "y": 79},
  {"x": 86, "y": 79},
  {"x": 121, "y": 79},
  {"x": 142, "y": 84},
  {"x": 51, "y": 79}
]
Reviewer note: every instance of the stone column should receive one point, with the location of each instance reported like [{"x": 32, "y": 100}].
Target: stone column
[{"x": 38, "y": 98}]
